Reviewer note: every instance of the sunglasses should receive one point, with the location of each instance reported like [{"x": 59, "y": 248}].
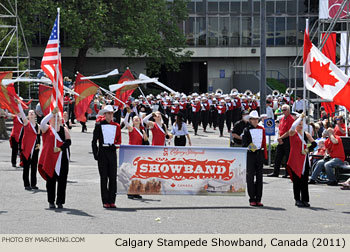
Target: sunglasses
[{"x": 284, "y": 109}]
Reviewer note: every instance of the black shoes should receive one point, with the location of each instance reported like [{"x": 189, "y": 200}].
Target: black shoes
[
  {"x": 137, "y": 196},
  {"x": 35, "y": 187},
  {"x": 134, "y": 196},
  {"x": 285, "y": 176},
  {"x": 332, "y": 183},
  {"x": 312, "y": 182},
  {"x": 272, "y": 175},
  {"x": 300, "y": 203},
  {"x": 59, "y": 206},
  {"x": 52, "y": 206},
  {"x": 28, "y": 188},
  {"x": 14, "y": 165}
]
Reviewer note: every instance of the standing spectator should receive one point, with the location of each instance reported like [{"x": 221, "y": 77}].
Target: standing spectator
[
  {"x": 298, "y": 105},
  {"x": 283, "y": 146},
  {"x": 179, "y": 132},
  {"x": 339, "y": 129}
]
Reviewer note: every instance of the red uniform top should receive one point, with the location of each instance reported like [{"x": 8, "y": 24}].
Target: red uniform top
[
  {"x": 285, "y": 124},
  {"x": 297, "y": 160},
  {"x": 182, "y": 105},
  {"x": 229, "y": 106},
  {"x": 205, "y": 106},
  {"x": 254, "y": 105},
  {"x": 337, "y": 131},
  {"x": 48, "y": 158},
  {"x": 196, "y": 107},
  {"x": 135, "y": 137},
  {"x": 158, "y": 135},
  {"x": 221, "y": 109},
  {"x": 245, "y": 105},
  {"x": 237, "y": 103},
  {"x": 29, "y": 139},
  {"x": 175, "y": 109},
  {"x": 335, "y": 150},
  {"x": 17, "y": 128}
]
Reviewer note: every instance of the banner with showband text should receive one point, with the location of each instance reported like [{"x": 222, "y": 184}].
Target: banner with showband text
[{"x": 164, "y": 170}]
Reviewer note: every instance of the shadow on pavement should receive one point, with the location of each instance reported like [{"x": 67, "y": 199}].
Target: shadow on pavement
[
  {"x": 343, "y": 212},
  {"x": 72, "y": 212},
  {"x": 37, "y": 191},
  {"x": 316, "y": 208},
  {"x": 194, "y": 208},
  {"x": 2, "y": 212}
]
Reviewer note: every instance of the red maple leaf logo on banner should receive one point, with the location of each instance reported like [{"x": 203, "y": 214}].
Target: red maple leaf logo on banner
[{"x": 321, "y": 73}]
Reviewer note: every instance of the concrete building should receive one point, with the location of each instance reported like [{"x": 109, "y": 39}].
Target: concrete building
[{"x": 224, "y": 36}]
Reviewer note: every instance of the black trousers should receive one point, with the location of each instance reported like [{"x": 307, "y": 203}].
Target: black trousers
[
  {"x": 204, "y": 118},
  {"x": 180, "y": 140},
  {"x": 15, "y": 147},
  {"x": 300, "y": 185},
  {"x": 61, "y": 182},
  {"x": 107, "y": 167},
  {"x": 236, "y": 116},
  {"x": 214, "y": 118},
  {"x": 184, "y": 114},
  {"x": 254, "y": 176},
  {"x": 228, "y": 119},
  {"x": 281, "y": 151},
  {"x": 32, "y": 165},
  {"x": 195, "y": 121},
  {"x": 221, "y": 123}
]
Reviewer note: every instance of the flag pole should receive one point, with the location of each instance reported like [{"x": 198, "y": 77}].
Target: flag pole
[
  {"x": 304, "y": 91},
  {"x": 57, "y": 66}
]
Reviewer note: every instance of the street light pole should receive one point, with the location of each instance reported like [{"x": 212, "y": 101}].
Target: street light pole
[{"x": 262, "y": 57}]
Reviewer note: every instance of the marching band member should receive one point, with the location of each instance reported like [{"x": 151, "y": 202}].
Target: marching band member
[
  {"x": 30, "y": 147},
  {"x": 213, "y": 114},
  {"x": 205, "y": 107},
  {"x": 221, "y": 116},
  {"x": 238, "y": 129},
  {"x": 228, "y": 115},
  {"x": 196, "y": 107},
  {"x": 298, "y": 162},
  {"x": 108, "y": 135},
  {"x": 54, "y": 161},
  {"x": 236, "y": 112},
  {"x": 183, "y": 107},
  {"x": 174, "y": 111},
  {"x": 255, "y": 139},
  {"x": 158, "y": 128}
]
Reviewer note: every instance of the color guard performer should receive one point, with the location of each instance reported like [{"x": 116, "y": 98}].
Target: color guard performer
[
  {"x": 298, "y": 162},
  {"x": 30, "y": 147},
  {"x": 255, "y": 139},
  {"x": 54, "y": 161},
  {"x": 108, "y": 135},
  {"x": 158, "y": 128},
  {"x": 136, "y": 137}
]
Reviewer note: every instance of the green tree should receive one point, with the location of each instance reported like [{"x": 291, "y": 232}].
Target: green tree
[{"x": 143, "y": 27}]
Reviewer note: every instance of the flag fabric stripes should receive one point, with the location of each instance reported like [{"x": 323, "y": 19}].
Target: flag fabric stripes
[{"x": 51, "y": 65}]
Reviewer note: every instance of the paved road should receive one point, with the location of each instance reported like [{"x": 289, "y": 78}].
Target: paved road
[{"x": 27, "y": 212}]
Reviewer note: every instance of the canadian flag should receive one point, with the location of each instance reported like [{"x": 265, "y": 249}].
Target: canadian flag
[{"x": 322, "y": 76}]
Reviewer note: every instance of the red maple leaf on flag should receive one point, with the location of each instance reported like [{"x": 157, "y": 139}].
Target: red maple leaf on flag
[{"x": 321, "y": 73}]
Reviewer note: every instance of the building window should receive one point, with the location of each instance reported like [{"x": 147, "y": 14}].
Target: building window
[
  {"x": 201, "y": 31},
  {"x": 280, "y": 35},
  {"x": 256, "y": 30},
  {"x": 200, "y": 6},
  {"x": 190, "y": 31},
  {"x": 246, "y": 6},
  {"x": 235, "y": 6},
  {"x": 235, "y": 31},
  {"x": 291, "y": 6},
  {"x": 280, "y": 7},
  {"x": 246, "y": 31},
  {"x": 224, "y": 6},
  {"x": 291, "y": 31},
  {"x": 256, "y": 6},
  {"x": 270, "y": 7},
  {"x": 270, "y": 31},
  {"x": 191, "y": 7},
  {"x": 224, "y": 24},
  {"x": 213, "y": 6},
  {"x": 213, "y": 31}
]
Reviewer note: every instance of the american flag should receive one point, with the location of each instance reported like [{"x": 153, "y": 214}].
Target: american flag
[{"x": 51, "y": 65}]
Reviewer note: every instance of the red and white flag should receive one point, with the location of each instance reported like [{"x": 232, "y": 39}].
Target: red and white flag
[
  {"x": 51, "y": 65},
  {"x": 322, "y": 76}
]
